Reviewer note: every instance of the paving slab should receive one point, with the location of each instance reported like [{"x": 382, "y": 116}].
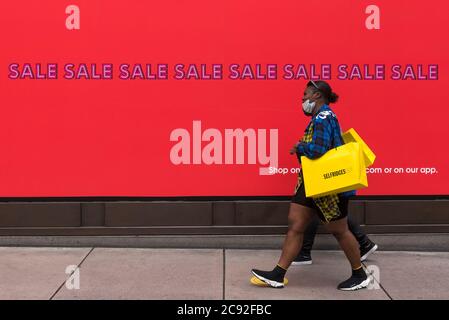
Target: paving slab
[
  {"x": 120, "y": 273},
  {"x": 35, "y": 273},
  {"x": 125, "y": 273},
  {"x": 310, "y": 282},
  {"x": 413, "y": 275}
]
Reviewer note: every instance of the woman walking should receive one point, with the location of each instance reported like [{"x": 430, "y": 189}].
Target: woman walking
[{"x": 322, "y": 134}]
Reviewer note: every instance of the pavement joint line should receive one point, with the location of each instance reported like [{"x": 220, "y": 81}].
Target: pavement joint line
[
  {"x": 224, "y": 273},
  {"x": 78, "y": 266},
  {"x": 380, "y": 285}
]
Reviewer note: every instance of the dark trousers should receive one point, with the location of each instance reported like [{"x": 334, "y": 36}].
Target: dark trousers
[{"x": 309, "y": 235}]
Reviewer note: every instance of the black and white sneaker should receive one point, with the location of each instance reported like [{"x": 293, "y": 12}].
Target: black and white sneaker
[
  {"x": 367, "y": 250},
  {"x": 268, "y": 278},
  {"x": 355, "y": 282},
  {"x": 301, "y": 260}
]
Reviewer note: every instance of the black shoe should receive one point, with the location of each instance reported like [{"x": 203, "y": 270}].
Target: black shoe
[
  {"x": 365, "y": 251},
  {"x": 354, "y": 283},
  {"x": 302, "y": 259},
  {"x": 269, "y": 278}
]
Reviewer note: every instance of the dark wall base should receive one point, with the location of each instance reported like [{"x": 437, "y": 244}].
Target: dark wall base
[{"x": 206, "y": 217}]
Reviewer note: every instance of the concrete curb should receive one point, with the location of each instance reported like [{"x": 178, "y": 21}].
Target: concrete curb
[{"x": 389, "y": 242}]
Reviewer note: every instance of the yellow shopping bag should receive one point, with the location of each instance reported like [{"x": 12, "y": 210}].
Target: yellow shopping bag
[
  {"x": 352, "y": 136},
  {"x": 338, "y": 170}
]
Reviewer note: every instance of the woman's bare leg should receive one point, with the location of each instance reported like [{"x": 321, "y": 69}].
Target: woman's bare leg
[
  {"x": 349, "y": 244},
  {"x": 298, "y": 218},
  {"x": 347, "y": 241}
]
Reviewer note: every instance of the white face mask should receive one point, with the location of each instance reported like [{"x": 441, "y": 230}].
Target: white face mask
[{"x": 308, "y": 106}]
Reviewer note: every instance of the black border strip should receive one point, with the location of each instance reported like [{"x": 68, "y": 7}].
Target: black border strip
[{"x": 207, "y": 198}]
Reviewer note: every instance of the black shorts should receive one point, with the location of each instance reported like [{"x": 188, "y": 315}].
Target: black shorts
[{"x": 300, "y": 198}]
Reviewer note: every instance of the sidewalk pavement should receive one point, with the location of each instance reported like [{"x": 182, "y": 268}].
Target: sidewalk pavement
[{"x": 213, "y": 274}]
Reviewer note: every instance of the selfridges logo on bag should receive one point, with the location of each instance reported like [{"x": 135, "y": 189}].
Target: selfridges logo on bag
[
  {"x": 334, "y": 174},
  {"x": 337, "y": 173},
  {"x": 251, "y": 146}
]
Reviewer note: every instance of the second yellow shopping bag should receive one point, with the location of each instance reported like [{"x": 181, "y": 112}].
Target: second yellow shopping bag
[
  {"x": 338, "y": 170},
  {"x": 352, "y": 136}
]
